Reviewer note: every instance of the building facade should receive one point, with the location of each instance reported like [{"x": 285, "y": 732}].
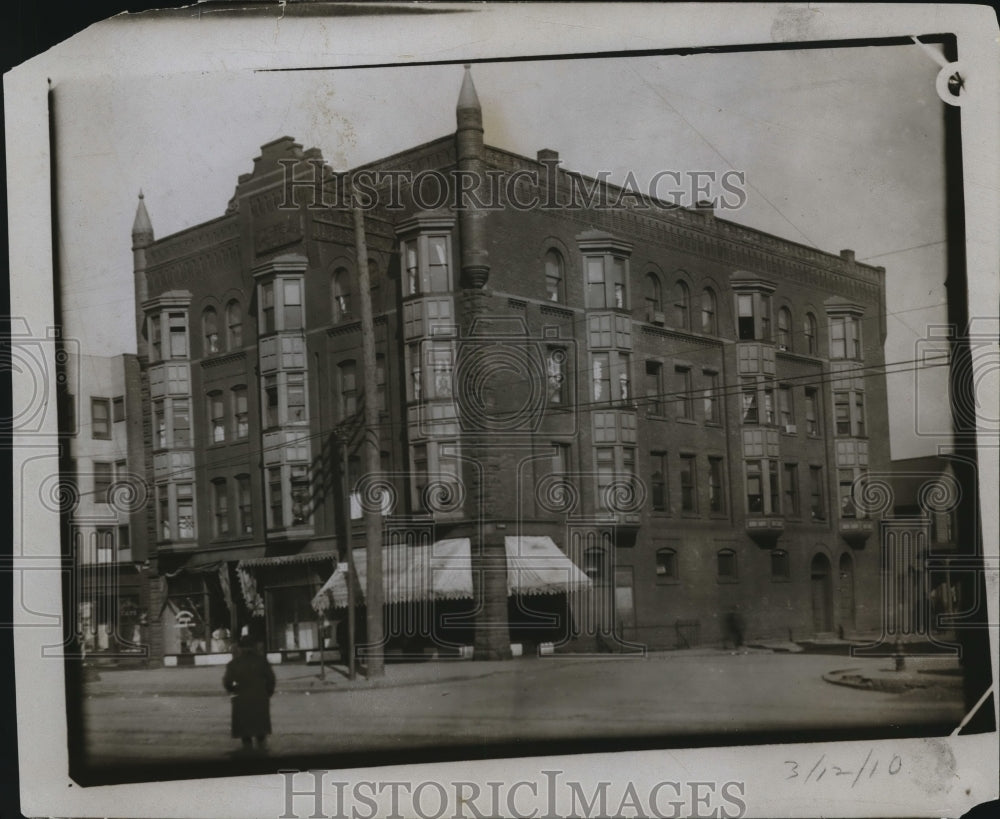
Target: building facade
[
  {"x": 687, "y": 407},
  {"x": 108, "y": 588}
]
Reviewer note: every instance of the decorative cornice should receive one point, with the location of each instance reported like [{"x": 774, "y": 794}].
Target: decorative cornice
[
  {"x": 216, "y": 360},
  {"x": 679, "y": 335}
]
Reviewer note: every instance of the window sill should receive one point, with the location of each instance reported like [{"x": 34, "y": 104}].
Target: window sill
[
  {"x": 686, "y": 421},
  {"x": 727, "y": 581}
]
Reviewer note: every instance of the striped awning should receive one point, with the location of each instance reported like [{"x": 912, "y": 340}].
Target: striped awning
[
  {"x": 286, "y": 560},
  {"x": 443, "y": 571}
]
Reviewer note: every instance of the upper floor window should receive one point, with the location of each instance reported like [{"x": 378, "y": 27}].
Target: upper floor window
[
  {"x": 765, "y": 316},
  {"x": 292, "y": 292},
  {"x": 653, "y": 297},
  {"x": 684, "y": 397},
  {"x": 749, "y": 402},
  {"x": 216, "y": 417},
  {"x": 654, "y": 387},
  {"x": 554, "y": 276},
  {"x": 155, "y": 339},
  {"x": 755, "y": 488},
  {"x": 682, "y": 305},
  {"x": 689, "y": 494},
  {"x": 726, "y": 565},
  {"x": 118, "y": 408},
  {"x": 555, "y": 365},
  {"x": 845, "y": 337},
  {"x": 753, "y": 308},
  {"x": 267, "y": 307},
  {"x": 100, "y": 418},
  {"x": 341, "y": 291},
  {"x": 240, "y": 412},
  {"x": 605, "y": 268},
  {"x": 177, "y": 323},
  {"x": 167, "y": 335},
  {"x": 611, "y": 385},
  {"x": 809, "y": 331},
  {"x": 245, "y": 504},
  {"x": 784, "y": 338},
  {"x": 817, "y": 506},
  {"x": 270, "y": 401},
  {"x": 666, "y": 564},
  {"x": 234, "y": 325},
  {"x": 220, "y": 507},
  {"x": 658, "y": 481},
  {"x": 745, "y": 324},
  {"x": 210, "y": 331},
  {"x": 708, "y": 312},
  {"x": 185, "y": 511},
  {"x": 281, "y": 304},
  {"x": 348, "y": 389},
  {"x": 812, "y": 412},
  {"x": 427, "y": 259},
  {"x": 606, "y": 281},
  {"x": 711, "y": 396},
  {"x": 716, "y": 487}
]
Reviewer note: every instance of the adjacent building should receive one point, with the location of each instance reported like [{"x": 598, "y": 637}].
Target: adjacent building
[
  {"x": 108, "y": 588},
  {"x": 686, "y": 407}
]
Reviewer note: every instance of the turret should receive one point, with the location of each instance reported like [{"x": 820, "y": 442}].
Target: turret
[
  {"x": 142, "y": 238},
  {"x": 471, "y": 221}
]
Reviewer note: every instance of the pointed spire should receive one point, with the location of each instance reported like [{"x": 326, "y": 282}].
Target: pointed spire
[
  {"x": 142, "y": 227},
  {"x": 467, "y": 97}
]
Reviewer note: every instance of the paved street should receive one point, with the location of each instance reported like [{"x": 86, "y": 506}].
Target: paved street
[{"x": 675, "y": 693}]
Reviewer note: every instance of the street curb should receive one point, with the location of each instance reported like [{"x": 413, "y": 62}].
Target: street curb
[{"x": 854, "y": 678}]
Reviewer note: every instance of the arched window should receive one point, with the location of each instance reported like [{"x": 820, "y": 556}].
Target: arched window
[
  {"x": 682, "y": 303},
  {"x": 654, "y": 301},
  {"x": 554, "y": 276},
  {"x": 726, "y": 562},
  {"x": 809, "y": 329},
  {"x": 708, "y": 323},
  {"x": 780, "y": 568},
  {"x": 784, "y": 329},
  {"x": 666, "y": 564},
  {"x": 341, "y": 290},
  {"x": 234, "y": 325},
  {"x": 210, "y": 330}
]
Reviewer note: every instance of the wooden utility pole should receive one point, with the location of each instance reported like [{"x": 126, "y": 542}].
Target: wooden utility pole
[{"x": 373, "y": 517}]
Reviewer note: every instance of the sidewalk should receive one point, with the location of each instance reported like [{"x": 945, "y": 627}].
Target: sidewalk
[
  {"x": 932, "y": 675},
  {"x": 201, "y": 681}
]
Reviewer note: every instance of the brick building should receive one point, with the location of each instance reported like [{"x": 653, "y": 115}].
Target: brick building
[{"x": 686, "y": 407}]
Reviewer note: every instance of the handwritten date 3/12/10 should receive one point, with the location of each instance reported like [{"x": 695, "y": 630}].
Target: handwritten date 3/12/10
[{"x": 871, "y": 766}]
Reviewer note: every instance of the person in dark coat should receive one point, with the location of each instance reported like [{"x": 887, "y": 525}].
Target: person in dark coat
[{"x": 250, "y": 679}]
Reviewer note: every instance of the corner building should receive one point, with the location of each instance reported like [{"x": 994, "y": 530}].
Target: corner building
[{"x": 686, "y": 407}]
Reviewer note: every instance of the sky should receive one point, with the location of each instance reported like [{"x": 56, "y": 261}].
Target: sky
[{"x": 842, "y": 148}]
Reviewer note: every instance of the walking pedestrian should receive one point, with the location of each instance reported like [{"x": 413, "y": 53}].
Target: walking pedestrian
[{"x": 250, "y": 680}]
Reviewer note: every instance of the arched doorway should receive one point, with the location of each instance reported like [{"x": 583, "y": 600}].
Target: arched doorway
[
  {"x": 822, "y": 593},
  {"x": 845, "y": 615}
]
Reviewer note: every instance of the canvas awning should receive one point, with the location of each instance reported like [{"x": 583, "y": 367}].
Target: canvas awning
[
  {"x": 286, "y": 560},
  {"x": 443, "y": 571}
]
